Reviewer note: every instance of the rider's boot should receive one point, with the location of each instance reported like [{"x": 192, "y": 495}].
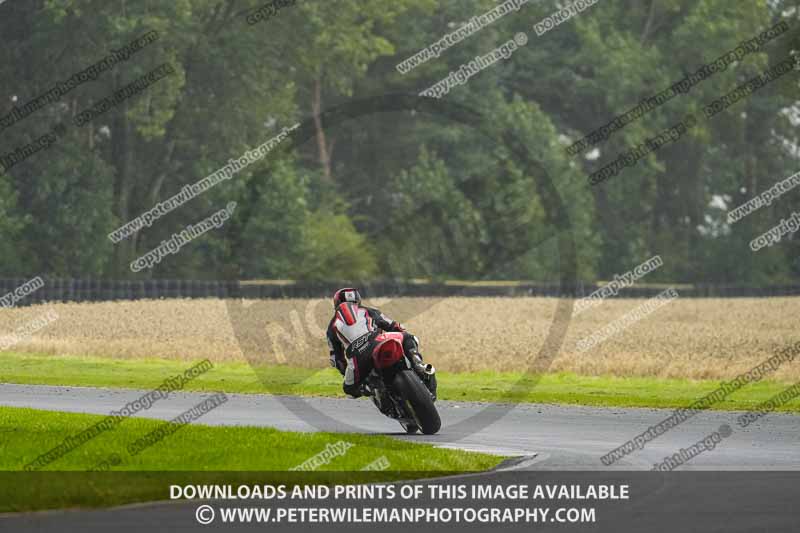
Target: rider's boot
[{"x": 425, "y": 371}]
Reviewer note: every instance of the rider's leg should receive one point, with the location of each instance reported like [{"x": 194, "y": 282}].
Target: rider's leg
[
  {"x": 411, "y": 348},
  {"x": 358, "y": 368},
  {"x": 410, "y": 345}
]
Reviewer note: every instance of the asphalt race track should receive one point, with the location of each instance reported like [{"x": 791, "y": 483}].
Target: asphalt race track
[{"x": 553, "y": 437}]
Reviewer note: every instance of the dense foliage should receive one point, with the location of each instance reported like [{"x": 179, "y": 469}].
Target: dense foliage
[{"x": 387, "y": 192}]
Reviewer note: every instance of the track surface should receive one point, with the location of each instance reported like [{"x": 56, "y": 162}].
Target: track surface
[{"x": 561, "y": 437}]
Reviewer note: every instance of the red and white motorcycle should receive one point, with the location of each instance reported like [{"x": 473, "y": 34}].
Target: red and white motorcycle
[{"x": 401, "y": 385}]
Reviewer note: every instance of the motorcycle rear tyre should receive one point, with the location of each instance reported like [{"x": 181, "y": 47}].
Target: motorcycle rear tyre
[{"x": 418, "y": 401}]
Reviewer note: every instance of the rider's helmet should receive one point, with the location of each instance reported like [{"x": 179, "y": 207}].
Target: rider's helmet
[{"x": 348, "y": 294}]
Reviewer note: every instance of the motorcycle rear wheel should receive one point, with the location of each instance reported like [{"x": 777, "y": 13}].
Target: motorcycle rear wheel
[{"x": 418, "y": 401}]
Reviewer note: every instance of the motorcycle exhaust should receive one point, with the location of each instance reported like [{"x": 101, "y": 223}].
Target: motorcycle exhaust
[{"x": 424, "y": 368}]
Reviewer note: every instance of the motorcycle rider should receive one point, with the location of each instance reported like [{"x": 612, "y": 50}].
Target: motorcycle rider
[{"x": 351, "y": 334}]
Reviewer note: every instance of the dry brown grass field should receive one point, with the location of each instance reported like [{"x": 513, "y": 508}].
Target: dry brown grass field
[{"x": 691, "y": 338}]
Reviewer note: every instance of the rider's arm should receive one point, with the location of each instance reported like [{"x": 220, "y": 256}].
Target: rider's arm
[{"x": 383, "y": 321}]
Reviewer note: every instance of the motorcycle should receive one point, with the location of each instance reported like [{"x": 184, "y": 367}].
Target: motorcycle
[{"x": 400, "y": 386}]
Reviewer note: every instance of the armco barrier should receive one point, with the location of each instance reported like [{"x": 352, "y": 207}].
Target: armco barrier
[{"x": 99, "y": 290}]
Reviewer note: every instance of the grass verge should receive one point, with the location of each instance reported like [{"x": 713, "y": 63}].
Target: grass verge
[
  {"x": 562, "y": 388},
  {"x": 194, "y": 452}
]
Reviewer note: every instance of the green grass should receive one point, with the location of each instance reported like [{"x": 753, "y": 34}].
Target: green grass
[
  {"x": 563, "y": 388},
  {"x": 192, "y": 452}
]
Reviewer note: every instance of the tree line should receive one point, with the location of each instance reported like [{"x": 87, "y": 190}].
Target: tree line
[{"x": 374, "y": 184}]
